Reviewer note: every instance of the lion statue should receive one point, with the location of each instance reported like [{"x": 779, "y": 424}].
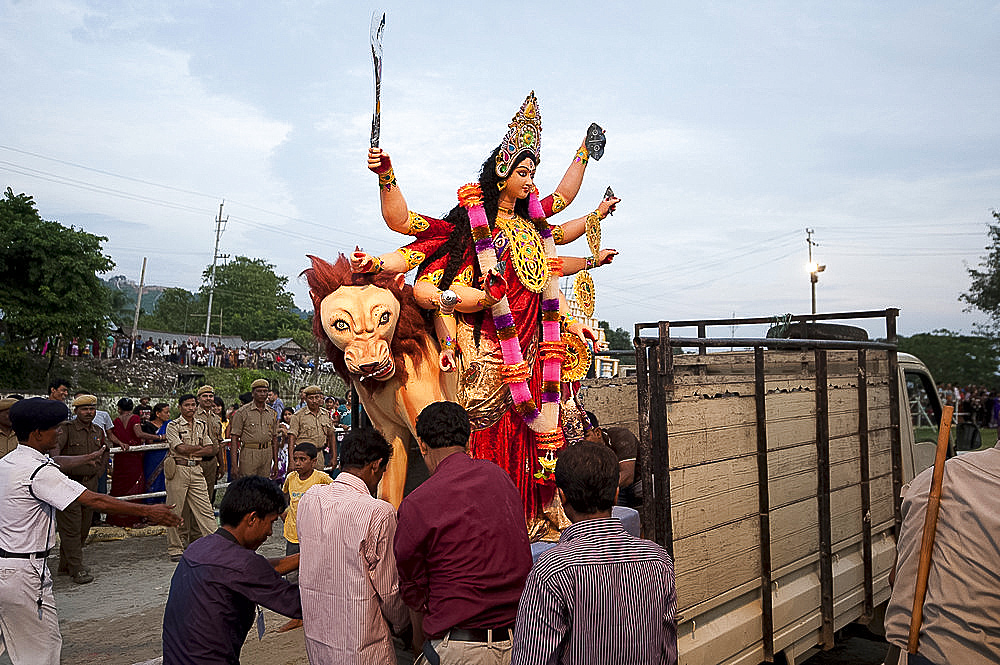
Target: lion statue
[{"x": 378, "y": 340}]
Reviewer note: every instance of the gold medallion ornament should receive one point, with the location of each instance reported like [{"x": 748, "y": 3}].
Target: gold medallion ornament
[
  {"x": 526, "y": 251},
  {"x": 584, "y": 292},
  {"x": 577, "y": 362},
  {"x": 594, "y": 234}
]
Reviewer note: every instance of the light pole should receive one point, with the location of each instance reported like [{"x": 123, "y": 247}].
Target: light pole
[{"x": 814, "y": 268}]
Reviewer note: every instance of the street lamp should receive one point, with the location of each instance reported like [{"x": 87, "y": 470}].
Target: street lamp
[{"x": 814, "y": 268}]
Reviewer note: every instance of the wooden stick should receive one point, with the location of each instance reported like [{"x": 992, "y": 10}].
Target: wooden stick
[{"x": 930, "y": 529}]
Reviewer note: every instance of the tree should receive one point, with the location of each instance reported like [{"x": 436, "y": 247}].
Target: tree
[
  {"x": 176, "y": 311},
  {"x": 252, "y": 300},
  {"x": 48, "y": 276},
  {"x": 620, "y": 339},
  {"x": 984, "y": 293},
  {"x": 960, "y": 359}
]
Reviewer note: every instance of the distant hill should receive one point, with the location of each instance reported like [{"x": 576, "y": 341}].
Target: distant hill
[{"x": 150, "y": 292}]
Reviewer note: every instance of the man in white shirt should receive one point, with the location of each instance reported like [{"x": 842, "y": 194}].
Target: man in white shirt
[{"x": 32, "y": 489}]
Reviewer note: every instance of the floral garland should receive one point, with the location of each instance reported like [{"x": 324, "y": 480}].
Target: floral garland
[{"x": 544, "y": 421}]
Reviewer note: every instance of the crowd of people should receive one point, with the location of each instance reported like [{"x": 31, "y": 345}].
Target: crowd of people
[
  {"x": 456, "y": 580},
  {"x": 190, "y": 351},
  {"x": 978, "y": 404}
]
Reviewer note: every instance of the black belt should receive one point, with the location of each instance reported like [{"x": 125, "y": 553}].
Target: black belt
[
  {"x": 4, "y": 554},
  {"x": 480, "y": 634},
  {"x": 208, "y": 459}
]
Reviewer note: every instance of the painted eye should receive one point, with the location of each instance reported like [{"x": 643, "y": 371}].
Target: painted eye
[
  {"x": 384, "y": 319},
  {"x": 340, "y": 324}
]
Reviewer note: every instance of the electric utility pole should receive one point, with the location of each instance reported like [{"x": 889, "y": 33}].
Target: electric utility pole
[
  {"x": 814, "y": 268},
  {"x": 220, "y": 226}
]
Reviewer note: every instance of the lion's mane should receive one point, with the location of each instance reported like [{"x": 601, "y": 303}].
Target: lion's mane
[{"x": 411, "y": 337}]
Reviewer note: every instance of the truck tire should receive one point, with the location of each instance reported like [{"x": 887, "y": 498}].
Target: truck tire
[{"x": 824, "y": 331}]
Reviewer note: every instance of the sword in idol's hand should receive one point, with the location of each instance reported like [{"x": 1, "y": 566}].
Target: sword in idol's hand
[
  {"x": 609, "y": 194},
  {"x": 378, "y": 25}
]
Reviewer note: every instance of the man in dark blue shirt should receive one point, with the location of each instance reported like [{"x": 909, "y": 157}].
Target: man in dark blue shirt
[{"x": 221, "y": 580}]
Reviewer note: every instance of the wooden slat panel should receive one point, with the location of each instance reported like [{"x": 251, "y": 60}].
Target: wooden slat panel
[
  {"x": 713, "y": 562},
  {"x": 709, "y": 495}
]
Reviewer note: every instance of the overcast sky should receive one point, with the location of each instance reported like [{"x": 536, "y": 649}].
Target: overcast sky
[{"x": 732, "y": 127}]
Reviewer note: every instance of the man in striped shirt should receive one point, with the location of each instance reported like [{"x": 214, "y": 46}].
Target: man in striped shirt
[
  {"x": 347, "y": 575},
  {"x": 600, "y": 595}
]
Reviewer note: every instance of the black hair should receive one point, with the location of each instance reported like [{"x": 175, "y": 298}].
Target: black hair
[
  {"x": 37, "y": 413},
  {"x": 55, "y": 383},
  {"x": 287, "y": 409},
  {"x": 15, "y": 396},
  {"x": 587, "y": 473},
  {"x": 307, "y": 448},
  {"x": 459, "y": 247},
  {"x": 159, "y": 406},
  {"x": 443, "y": 424},
  {"x": 362, "y": 446},
  {"x": 250, "y": 494},
  {"x": 185, "y": 397},
  {"x": 220, "y": 402},
  {"x": 125, "y": 404},
  {"x": 246, "y": 398},
  {"x": 593, "y": 419}
]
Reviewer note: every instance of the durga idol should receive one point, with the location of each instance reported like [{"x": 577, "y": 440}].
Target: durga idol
[{"x": 497, "y": 251}]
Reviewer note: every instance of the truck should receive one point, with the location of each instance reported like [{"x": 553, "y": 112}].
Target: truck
[{"x": 771, "y": 471}]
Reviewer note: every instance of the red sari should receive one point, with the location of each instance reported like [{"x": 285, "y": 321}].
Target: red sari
[{"x": 126, "y": 473}]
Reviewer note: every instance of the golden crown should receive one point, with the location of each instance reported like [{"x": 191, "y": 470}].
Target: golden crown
[{"x": 525, "y": 133}]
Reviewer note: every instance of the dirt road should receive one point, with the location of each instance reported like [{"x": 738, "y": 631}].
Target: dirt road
[{"x": 117, "y": 619}]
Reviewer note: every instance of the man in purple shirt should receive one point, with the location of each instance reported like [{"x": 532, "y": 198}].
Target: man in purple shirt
[
  {"x": 600, "y": 595},
  {"x": 221, "y": 580},
  {"x": 461, "y": 547}
]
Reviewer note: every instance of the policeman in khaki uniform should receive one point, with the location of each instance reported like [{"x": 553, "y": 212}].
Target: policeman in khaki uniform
[
  {"x": 8, "y": 440},
  {"x": 312, "y": 423},
  {"x": 79, "y": 437},
  {"x": 189, "y": 442},
  {"x": 254, "y": 431},
  {"x": 32, "y": 489},
  {"x": 213, "y": 465}
]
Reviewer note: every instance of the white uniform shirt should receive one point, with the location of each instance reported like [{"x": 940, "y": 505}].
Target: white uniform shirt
[{"x": 23, "y": 518}]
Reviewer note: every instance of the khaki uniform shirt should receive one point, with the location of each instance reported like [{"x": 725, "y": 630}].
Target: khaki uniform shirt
[
  {"x": 8, "y": 441},
  {"x": 75, "y": 438},
  {"x": 255, "y": 427},
  {"x": 214, "y": 424},
  {"x": 309, "y": 428},
  {"x": 192, "y": 434},
  {"x": 961, "y": 616}
]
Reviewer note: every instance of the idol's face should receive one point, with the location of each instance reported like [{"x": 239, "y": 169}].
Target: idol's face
[{"x": 521, "y": 182}]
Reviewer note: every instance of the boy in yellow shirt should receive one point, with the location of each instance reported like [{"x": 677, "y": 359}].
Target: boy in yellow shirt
[
  {"x": 303, "y": 476},
  {"x": 297, "y": 482}
]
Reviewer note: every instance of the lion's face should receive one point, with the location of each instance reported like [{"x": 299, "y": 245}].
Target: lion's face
[{"x": 361, "y": 320}]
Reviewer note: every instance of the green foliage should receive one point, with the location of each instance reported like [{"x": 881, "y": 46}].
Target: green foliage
[
  {"x": 956, "y": 359},
  {"x": 48, "y": 276},
  {"x": 619, "y": 339},
  {"x": 252, "y": 299},
  {"x": 984, "y": 292},
  {"x": 176, "y": 311}
]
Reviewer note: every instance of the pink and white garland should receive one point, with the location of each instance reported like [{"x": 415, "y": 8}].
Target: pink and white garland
[{"x": 546, "y": 419}]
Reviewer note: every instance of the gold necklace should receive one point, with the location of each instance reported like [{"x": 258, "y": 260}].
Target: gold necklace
[
  {"x": 506, "y": 212},
  {"x": 527, "y": 252}
]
